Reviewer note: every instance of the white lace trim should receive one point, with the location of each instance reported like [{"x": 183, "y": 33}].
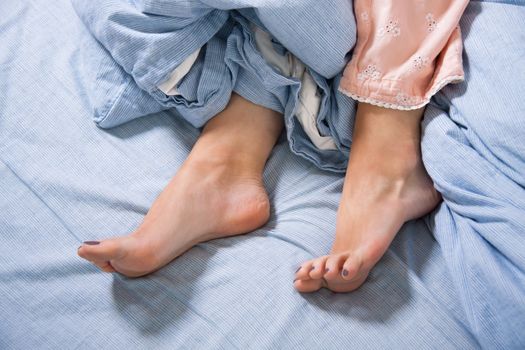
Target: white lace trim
[{"x": 449, "y": 80}]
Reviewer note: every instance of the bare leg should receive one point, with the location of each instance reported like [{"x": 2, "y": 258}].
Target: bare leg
[
  {"x": 386, "y": 185},
  {"x": 217, "y": 192}
]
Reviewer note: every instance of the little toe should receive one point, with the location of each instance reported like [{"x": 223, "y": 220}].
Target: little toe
[
  {"x": 102, "y": 251},
  {"x": 308, "y": 286},
  {"x": 303, "y": 273},
  {"x": 351, "y": 268},
  {"x": 319, "y": 268}
]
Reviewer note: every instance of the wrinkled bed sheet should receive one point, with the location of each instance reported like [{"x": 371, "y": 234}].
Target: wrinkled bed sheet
[{"x": 452, "y": 280}]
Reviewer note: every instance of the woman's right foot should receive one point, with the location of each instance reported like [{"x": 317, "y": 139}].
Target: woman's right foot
[
  {"x": 218, "y": 192},
  {"x": 202, "y": 202}
]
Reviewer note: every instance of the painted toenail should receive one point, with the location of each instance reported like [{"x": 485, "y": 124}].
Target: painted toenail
[
  {"x": 327, "y": 270},
  {"x": 91, "y": 242},
  {"x": 300, "y": 267},
  {"x": 313, "y": 268},
  {"x": 345, "y": 273}
]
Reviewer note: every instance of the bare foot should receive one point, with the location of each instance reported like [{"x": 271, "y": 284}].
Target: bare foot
[
  {"x": 218, "y": 192},
  {"x": 202, "y": 202},
  {"x": 386, "y": 185}
]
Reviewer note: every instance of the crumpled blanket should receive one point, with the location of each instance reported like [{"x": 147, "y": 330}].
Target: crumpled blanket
[
  {"x": 473, "y": 133},
  {"x": 150, "y": 39}
]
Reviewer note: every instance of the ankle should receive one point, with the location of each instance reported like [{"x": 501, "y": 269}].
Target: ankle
[
  {"x": 224, "y": 161},
  {"x": 391, "y": 161}
]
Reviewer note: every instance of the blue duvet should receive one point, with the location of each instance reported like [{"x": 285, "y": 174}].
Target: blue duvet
[{"x": 454, "y": 279}]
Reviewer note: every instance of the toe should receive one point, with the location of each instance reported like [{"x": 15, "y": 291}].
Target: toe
[
  {"x": 105, "y": 266},
  {"x": 303, "y": 273},
  {"x": 334, "y": 265},
  {"x": 351, "y": 268},
  {"x": 102, "y": 251},
  {"x": 319, "y": 268},
  {"x": 308, "y": 286}
]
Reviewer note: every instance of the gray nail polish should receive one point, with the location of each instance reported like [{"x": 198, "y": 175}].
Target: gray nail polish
[
  {"x": 91, "y": 242},
  {"x": 298, "y": 269},
  {"x": 345, "y": 273},
  {"x": 327, "y": 270},
  {"x": 313, "y": 268}
]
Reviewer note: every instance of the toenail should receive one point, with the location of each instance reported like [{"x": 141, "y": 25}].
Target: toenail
[
  {"x": 91, "y": 242},
  {"x": 298, "y": 269},
  {"x": 313, "y": 268},
  {"x": 327, "y": 270},
  {"x": 345, "y": 272}
]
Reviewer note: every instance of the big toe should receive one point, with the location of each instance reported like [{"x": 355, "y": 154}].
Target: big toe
[
  {"x": 103, "y": 251},
  {"x": 341, "y": 285}
]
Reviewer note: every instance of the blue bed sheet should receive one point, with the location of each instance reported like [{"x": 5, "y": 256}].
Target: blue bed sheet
[{"x": 452, "y": 280}]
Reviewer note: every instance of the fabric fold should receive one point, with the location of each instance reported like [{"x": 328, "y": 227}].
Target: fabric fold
[{"x": 189, "y": 59}]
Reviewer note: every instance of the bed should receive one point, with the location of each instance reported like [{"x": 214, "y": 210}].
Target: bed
[{"x": 454, "y": 279}]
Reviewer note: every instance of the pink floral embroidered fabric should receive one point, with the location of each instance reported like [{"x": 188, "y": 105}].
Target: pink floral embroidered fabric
[{"x": 406, "y": 51}]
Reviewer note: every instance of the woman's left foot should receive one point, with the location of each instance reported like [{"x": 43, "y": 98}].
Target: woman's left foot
[{"x": 384, "y": 187}]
